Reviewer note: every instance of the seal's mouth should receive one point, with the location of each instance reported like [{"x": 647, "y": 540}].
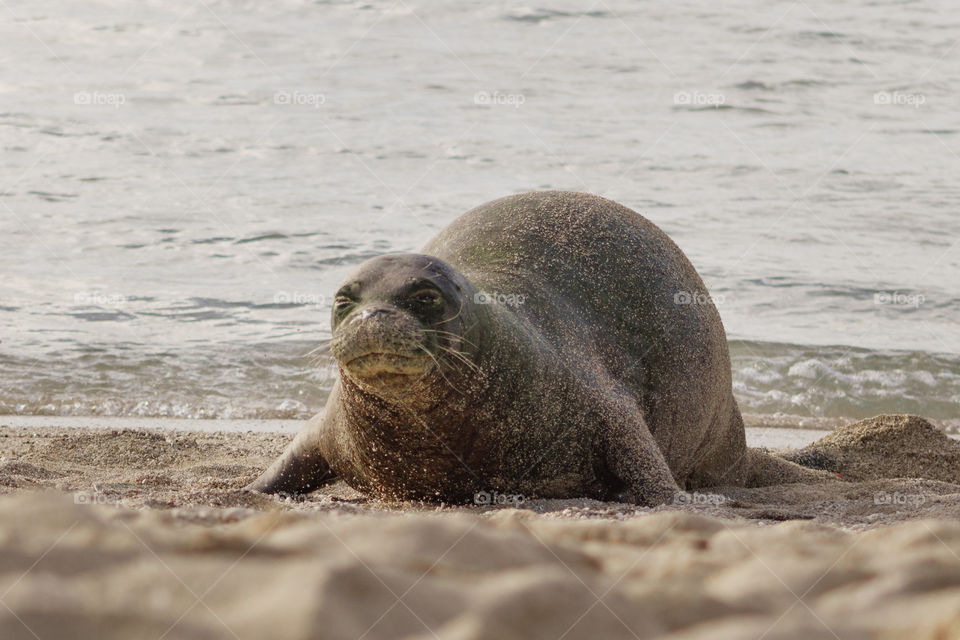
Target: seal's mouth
[
  {"x": 386, "y": 366},
  {"x": 383, "y": 349}
]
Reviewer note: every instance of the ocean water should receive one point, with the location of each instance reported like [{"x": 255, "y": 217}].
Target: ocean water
[{"x": 183, "y": 185}]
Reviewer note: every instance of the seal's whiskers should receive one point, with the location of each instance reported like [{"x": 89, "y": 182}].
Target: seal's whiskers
[
  {"x": 323, "y": 348},
  {"x": 439, "y": 368},
  {"x": 461, "y": 357},
  {"x": 449, "y": 334}
]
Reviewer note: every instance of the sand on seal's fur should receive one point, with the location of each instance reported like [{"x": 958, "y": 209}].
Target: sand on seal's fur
[{"x": 133, "y": 534}]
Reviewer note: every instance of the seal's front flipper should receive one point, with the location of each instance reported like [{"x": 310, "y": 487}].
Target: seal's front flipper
[
  {"x": 634, "y": 458},
  {"x": 301, "y": 468}
]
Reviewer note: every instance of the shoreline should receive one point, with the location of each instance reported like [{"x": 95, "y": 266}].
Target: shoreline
[
  {"x": 281, "y": 425},
  {"x": 775, "y": 432},
  {"x": 774, "y": 437},
  {"x": 765, "y": 436},
  {"x": 211, "y": 425}
]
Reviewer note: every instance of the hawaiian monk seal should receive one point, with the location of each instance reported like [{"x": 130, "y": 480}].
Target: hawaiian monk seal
[{"x": 548, "y": 344}]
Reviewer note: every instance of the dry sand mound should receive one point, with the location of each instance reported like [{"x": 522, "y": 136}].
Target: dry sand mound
[
  {"x": 889, "y": 446},
  {"x": 132, "y": 534}
]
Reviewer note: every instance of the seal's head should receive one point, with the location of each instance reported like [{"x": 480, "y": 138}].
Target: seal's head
[{"x": 397, "y": 322}]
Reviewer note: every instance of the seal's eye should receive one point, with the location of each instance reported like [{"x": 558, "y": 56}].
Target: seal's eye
[
  {"x": 341, "y": 302},
  {"x": 426, "y": 297}
]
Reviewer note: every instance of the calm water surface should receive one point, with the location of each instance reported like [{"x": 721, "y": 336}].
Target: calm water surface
[{"x": 184, "y": 184}]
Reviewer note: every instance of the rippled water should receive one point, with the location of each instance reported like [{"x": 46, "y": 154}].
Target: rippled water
[{"x": 184, "y": 184}]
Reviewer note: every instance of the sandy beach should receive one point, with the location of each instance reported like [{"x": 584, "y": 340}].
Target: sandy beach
[
  {"x": 189, "y": 191},
  {"x": 113, "y": 533}
]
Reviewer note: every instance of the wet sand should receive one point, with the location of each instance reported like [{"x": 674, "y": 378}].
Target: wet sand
[{"x": 114, "y": 533}]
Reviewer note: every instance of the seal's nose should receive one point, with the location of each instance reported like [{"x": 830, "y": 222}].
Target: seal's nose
[{"x": 372, "y": 313}]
